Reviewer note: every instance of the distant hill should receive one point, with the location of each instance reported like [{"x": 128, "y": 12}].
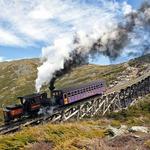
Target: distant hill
[
  {"x": 17, "y": 78},
  {"x": 111, "y": 73}
]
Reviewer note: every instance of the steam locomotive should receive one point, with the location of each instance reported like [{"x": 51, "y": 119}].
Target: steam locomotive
[{"x": 31, "y": 105}]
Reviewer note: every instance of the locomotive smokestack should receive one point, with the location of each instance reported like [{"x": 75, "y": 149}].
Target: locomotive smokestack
[{"x": 51, "y": 85}]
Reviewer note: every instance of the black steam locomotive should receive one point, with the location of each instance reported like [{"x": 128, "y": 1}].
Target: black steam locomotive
[{"x": 30, "y": 105}]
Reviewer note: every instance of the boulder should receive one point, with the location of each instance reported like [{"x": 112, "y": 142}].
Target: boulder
[
  {"x": 113, "y": 132},
  {"x": 139, "y": 129}
]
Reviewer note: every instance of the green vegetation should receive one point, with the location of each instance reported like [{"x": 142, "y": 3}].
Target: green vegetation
[
  {"x": 116, "y": 123},
  {"x": 62, "y": 136},
  {"x": 17, "y": 78},
  {"x": 138, "y": 114},
  {"x": 88, "y": 73},
  {"x": 141, "y": 60}
]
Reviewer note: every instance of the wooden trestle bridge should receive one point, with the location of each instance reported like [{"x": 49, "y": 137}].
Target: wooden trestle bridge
[{"x": 115, "y": 99}]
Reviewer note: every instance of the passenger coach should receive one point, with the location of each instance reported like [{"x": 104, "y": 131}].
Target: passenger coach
[{"x": 71, "y": 95}]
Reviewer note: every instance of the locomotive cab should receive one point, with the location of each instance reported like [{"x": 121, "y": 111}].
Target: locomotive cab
[
  {"x": 31, "y": 103},
  {"x": 57, "y": 97}
]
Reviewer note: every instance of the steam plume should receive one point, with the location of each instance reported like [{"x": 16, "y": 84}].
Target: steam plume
[{"x": 112, "y": 29}]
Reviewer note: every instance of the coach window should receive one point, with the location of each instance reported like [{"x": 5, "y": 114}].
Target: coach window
[
  {"x": 82, "y": 90},
  {"x": 74, "y": 93},
  {"x": 71, "y": 93},
  {"x": 65, "y": 95},
  {"x": 87, "y": 89},
  {"x": 68, "y": 94},
  {"x": 79, "y": 91}
]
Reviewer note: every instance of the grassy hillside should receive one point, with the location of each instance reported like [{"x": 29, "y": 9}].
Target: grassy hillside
[
  {"x": 17, "y": 78},
  {"x": 111, "y": 73},
  {"x": 88, "y": 73}
]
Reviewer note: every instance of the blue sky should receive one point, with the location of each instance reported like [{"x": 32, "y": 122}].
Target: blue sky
[{"x": 12, "y": 47}]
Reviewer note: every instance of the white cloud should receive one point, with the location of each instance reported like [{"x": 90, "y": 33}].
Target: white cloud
[
  {"x": 8, "y": 38},
  {"x": 27, "y": 22},
  {"x": 1, "y": 59}
]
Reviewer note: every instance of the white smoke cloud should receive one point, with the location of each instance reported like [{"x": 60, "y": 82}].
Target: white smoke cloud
[
  {"x": 88, "y": 22},
  {"x": 54, "y": 57}
]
